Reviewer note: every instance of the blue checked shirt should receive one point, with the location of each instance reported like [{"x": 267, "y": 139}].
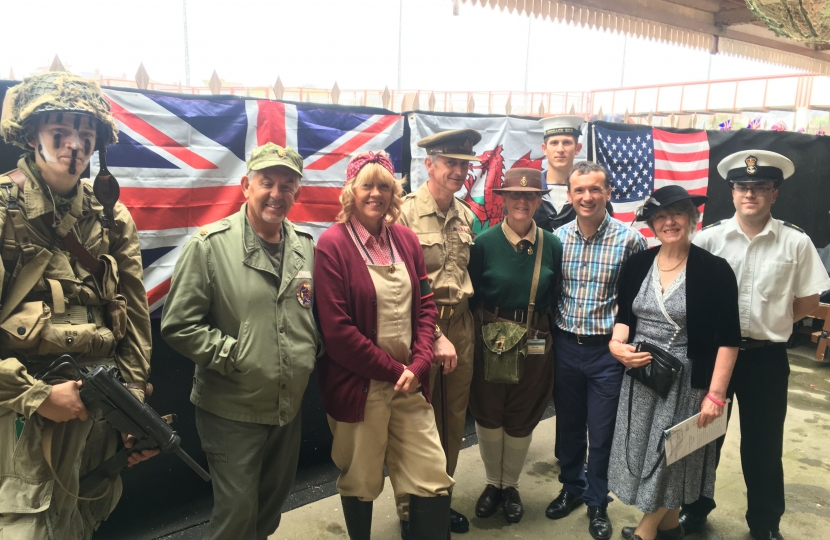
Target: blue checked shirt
[{"x": 590, "y": 269}]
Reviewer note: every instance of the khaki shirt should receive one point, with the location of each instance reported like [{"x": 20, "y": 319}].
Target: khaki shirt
[
  {"x": 19, "y": 391},
  {"x": 514, "y": 238},
  {"x": 446, "y": 241},
  {"x": 250, "y": 332}
]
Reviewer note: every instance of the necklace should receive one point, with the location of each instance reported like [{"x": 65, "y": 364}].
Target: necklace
[{"x": 673, "y": 267}]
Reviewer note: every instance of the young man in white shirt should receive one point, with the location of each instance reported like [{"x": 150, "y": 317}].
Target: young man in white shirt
[{"x": 780, "y": 277}]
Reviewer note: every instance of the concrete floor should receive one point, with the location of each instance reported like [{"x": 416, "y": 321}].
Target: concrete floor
[{"x": 806, "y": 465}]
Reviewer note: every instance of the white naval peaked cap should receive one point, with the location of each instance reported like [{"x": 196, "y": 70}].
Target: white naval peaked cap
[
  {"x": 756, "y": 166},
  {"x": 561, "y": 125}
]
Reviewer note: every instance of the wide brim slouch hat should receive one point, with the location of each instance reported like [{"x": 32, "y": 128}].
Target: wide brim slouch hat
[
  {"x": 55, "y": 91},
  {"x": 522, "y": 179},
  {"x": 665, "y": 196}
]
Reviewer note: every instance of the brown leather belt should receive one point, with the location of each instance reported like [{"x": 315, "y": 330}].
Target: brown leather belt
[
  {"x": 451, "y": 311},
  {"x": 515, "y": 315}
]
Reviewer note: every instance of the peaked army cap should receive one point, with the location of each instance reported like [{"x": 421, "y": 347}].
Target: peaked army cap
[{"x": 453, "y": 144}]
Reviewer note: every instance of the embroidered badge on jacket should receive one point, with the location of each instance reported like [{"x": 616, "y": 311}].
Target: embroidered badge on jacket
[{"x": 305, "y": 294}]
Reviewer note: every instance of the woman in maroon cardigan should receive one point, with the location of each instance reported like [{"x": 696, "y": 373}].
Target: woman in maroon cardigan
[{"x": 378, "y": 318}]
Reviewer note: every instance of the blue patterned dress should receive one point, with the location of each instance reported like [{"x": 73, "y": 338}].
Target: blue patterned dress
[{"x": 661, "y": 320}]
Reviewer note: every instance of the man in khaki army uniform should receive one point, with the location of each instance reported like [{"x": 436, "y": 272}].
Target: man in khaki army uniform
[
  {"x": 71, "y": 283},
  {"x": 443, "y": 224},
  {"x": 240, "y": 307}
]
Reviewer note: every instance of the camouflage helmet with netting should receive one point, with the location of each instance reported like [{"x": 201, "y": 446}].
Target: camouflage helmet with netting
[{"x": 55, "y": 91}]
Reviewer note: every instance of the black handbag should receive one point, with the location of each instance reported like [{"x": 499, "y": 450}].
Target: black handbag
[{"x": 660, "y": 373}]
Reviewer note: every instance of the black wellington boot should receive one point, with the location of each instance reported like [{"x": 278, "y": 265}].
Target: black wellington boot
[
  {"x": 429, "y": 517},
  {"x": 358, "y": 515}
]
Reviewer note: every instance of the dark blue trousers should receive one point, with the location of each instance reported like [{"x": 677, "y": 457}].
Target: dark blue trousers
[{"x": 586, "y": 390}]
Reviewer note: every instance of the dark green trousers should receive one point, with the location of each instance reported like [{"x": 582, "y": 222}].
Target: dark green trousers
[{"x": 253, "y": 468}]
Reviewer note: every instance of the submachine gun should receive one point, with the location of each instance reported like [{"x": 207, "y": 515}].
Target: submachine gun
[{"x": 102, "y": 391}]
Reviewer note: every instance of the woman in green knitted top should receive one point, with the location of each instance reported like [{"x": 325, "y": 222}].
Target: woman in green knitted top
[{"x": 502, "y": 267}]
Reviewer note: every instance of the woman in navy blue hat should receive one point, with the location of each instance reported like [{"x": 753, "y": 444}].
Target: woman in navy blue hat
[{"x": 684, "y": 300}]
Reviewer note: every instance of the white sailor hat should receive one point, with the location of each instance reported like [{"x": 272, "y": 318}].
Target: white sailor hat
[
  {"x": 561, "y": 125},
  {"x": 756, "y": 166}
]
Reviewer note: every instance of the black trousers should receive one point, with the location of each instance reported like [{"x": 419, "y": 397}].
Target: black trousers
[{"x": 759, "y": 382}]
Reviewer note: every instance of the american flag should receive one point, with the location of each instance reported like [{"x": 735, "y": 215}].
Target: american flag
[
  {"x": 643, "y": 160},
  {"x": 180, "y": 161}
]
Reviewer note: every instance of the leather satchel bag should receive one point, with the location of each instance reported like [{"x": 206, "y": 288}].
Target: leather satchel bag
[
  {"x": 505, "y": 343},
  {"x": 660, "y": 373}
]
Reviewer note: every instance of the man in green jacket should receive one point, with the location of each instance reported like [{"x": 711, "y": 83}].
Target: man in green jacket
[{"x": 240, "y": 308}]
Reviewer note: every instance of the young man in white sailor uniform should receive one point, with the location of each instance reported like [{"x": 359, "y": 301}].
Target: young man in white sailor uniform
[{"x": 780, "y": 277}]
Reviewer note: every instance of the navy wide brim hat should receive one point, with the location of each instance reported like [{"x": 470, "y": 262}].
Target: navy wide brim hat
[{"x": 665, "y": 196}]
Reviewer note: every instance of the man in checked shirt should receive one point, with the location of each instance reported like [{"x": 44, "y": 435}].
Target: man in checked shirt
[{"x": 587, "y": 378}]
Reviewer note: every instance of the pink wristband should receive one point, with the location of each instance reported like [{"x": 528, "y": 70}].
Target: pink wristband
[{"x": 715, "y": 401}]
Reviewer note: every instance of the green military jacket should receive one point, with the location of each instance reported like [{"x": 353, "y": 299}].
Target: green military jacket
[
  {"x": 32, "y": 335},
  {"x": 250, "y": 332}
]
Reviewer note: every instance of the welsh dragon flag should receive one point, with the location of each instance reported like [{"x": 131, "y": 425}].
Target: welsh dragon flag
[{"x": 506, "y": 143}]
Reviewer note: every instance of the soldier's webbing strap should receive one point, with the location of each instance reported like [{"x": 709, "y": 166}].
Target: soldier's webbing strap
[
  {"x": 46, "y": 443},
  {"x": 14, "y": 189},
  {"x": 29, "y": 275},
  {"x": 34, "y": 262},
  {"x": 74, "y": 246}
]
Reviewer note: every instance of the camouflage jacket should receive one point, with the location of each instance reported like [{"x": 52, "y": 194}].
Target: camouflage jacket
[{"x": 67, "y": 310}]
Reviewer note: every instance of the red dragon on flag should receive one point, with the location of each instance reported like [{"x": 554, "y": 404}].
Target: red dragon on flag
[{"x": 486, "y": 205}]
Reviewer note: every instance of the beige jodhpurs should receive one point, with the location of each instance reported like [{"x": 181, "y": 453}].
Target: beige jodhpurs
[{"x": 398, "y": 429}]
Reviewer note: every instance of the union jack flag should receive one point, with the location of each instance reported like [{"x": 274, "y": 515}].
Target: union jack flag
[
  {"x": 179, "y": 162},
  {"x": 755, "y": 123},
  {"x": 643, "y": 160},
  {"x": 726, "y": 125},
  {"x": 779, "y": 126}
]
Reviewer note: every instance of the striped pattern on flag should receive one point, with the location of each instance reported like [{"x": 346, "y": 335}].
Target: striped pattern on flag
[
  {"x": 643, "y": 160},
  {"x": 180, "y": 161}
]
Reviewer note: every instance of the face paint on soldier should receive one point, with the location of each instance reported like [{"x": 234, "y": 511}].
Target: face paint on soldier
[{"x": 64, "y": 147}]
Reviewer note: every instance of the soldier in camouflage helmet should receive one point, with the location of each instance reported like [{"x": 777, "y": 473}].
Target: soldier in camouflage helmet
[{"x": 71, "y": 283}]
